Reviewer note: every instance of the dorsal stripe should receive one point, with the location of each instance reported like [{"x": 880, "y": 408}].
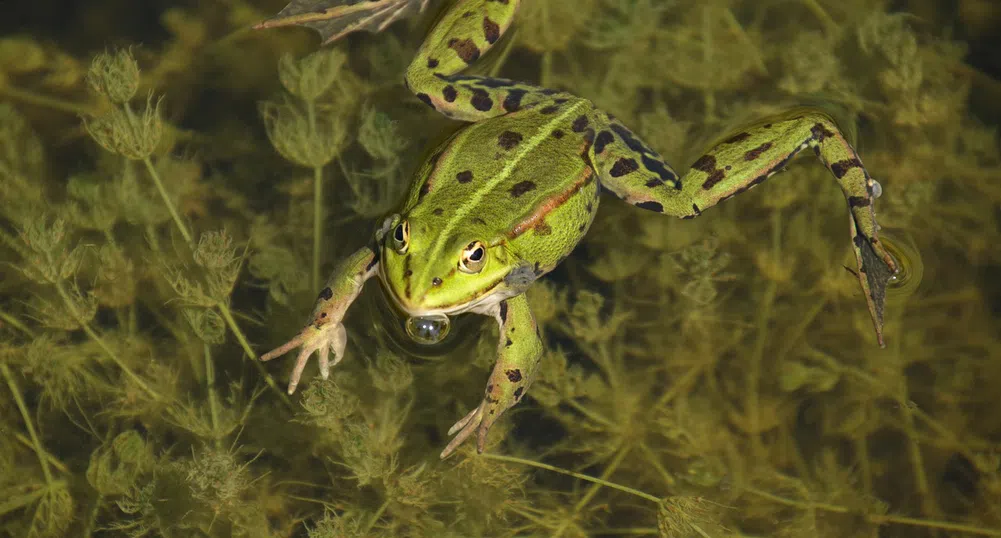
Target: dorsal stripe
[{"x": 477, "y": 196}]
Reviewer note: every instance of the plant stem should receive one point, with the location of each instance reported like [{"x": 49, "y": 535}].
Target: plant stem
[
  {"x": 46, "y": 101},
  {"x": 598, "y": 481},
  {"x": 16, "y": 323},
  {"x": 235, "y": 329},
  {"x": 317, "y": 201},
  {"x": 213, "y": 397},
  {"x": 39, "y": 450},
  {"x": 375, "y": 517},
  {"x": 317, "y": 224},
  {"x": 875, "y": 519},
  {"x": 89, "y": 529},
  {"x": 166, "y": 200},
  {"x": 159, "y": 184},
  {"x": 52, "y": 459},
  {"x": 752, "y": 409},
  {"x": 61, "y": 288}
]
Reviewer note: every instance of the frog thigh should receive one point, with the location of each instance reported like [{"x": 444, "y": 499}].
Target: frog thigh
[{"x": 465, "y": 32}]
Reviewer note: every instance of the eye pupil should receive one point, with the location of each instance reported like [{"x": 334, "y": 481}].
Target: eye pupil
[
  {"x": 473, "y": 258},
  {"x": 398, "y": 234}
]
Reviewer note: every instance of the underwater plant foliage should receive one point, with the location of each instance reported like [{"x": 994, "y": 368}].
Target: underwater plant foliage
[{"x": 174, "y": 186}]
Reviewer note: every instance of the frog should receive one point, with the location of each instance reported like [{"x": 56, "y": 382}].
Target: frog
[{"x": 507, "y": 197}]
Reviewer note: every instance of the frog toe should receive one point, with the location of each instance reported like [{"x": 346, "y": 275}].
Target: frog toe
[
  {"x": 322, "y": 340},
  {"x": 875, "y": 269},
  {"x": 463, "y": 429}
]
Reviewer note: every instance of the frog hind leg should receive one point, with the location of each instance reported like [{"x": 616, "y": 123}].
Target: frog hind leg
[
  {"x": 635, "y": 173},
  {"x": 519, "y": 352},
  {"x": 466, "y": 31}
]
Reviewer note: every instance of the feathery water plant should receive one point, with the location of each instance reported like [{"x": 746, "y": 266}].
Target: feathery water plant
[
  {"x": 306, "y": 131},
  {"x": 692, "y": 386}
]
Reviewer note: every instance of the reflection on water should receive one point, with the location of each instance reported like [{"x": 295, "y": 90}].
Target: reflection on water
[{"x": 910, "y": 267}]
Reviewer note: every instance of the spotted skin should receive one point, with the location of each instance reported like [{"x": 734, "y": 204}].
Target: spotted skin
[
  {"x": 730, "y": 168},
  {"x": 464, "y": 34},
  {"x": 325, "y": 331},
  {"x": 518, "y": 359},
  {"x": 520, "y": 185}
]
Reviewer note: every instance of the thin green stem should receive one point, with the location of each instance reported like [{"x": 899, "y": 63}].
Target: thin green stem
[
  {"x": 596, "y": 485},
  {"x": 46, "y": 101},
  {"x": 375, "y": 517},
  {"x": 593, "y": 415},
  {"x": 875, "y": 519},
  {"x": 654, "y": 461},
  {"x": 235, "y": 329},
  {"x": 52, "y": 459},
  {"x": 547, "y": 56},
  {"x": 546, "y": 68},
  {"x": 317, "y": 201},
  {"x": 588, "y": 478},
  {"x": 166, "y": 200},
  {"x": 159, "y": 184},
  {"x": 61, "y": 288},
  {"x": 752, "y": 404},
  {"x": 92, "y": 518},
  {"x": 317, "y": 223},
  {"x": 609, "y": 469},
  {"x": 39, "y": 450},
  {"x": 213, "y": 397},
  {"x": 16, "y": 323}
]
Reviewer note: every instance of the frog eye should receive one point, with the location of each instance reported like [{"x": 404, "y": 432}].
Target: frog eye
[
  {"x": 401, "y": 237},
  {"x": 473, "y": 257}
]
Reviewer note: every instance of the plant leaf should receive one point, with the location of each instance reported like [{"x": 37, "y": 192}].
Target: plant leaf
[{"x": 334, "y": 19}]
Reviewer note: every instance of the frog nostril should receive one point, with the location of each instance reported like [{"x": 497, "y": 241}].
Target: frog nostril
[{"x": 436, "y": 282}]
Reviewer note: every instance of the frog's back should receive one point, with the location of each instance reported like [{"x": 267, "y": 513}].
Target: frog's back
[{"x": 522, "y": 177}]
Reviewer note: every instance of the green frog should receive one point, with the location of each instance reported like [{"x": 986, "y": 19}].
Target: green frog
[{"x": 505, "y": 199}]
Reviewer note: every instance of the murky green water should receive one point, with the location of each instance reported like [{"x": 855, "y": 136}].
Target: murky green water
[{"x": 710, "y": 377}]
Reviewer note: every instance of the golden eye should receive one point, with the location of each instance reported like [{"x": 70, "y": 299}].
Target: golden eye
[
  {"x": 473, "y": 257},
  {"x": 401, "y": 237}
]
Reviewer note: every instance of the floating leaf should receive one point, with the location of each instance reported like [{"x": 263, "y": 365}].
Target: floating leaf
[{"x": 334, "y": 19}]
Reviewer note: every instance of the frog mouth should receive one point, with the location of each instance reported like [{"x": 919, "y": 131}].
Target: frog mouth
[
  {"x": 430, "y": 326},
  {"x": 407, "y": 308}
]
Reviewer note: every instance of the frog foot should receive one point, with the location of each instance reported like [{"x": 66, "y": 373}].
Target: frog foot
[
  {"x": 322, "y": 339},
  {"x": 478, "y": 420},
  {"x": 875, "y": 268}
]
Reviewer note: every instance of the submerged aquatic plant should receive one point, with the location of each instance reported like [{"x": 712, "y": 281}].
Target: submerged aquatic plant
[{"x": 713, "y": 377}]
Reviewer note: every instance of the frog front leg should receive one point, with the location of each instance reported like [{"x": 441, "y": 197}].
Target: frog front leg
[
  {"x": 519, "y": 351},
  {"x": 465, "y": 32},
  {"x": 325, "y": 332},
  {"x": 635, "y": 173}
]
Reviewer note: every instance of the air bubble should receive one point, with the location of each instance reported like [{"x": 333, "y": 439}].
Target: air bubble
[
  {"x": 877, "y": 189},
  {"x": 428, "y": 330}
]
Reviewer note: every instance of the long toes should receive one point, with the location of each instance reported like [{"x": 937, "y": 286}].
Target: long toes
[
  {"x": 300, "y": 365},
  {"x": 458, "y": 440},
  {"x": 463, "y": 421},
  {"x": 324, "y": 355},
  {"x": 283, "y": 349},
  {"x": 481, "y": 437},
  {"x": 465, "y": 427}
]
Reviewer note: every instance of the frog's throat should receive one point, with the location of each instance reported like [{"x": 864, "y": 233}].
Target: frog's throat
[{"x": 481, "y": 303}]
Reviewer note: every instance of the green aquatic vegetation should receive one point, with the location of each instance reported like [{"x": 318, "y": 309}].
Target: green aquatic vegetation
[{"x": 169, "y": 207}]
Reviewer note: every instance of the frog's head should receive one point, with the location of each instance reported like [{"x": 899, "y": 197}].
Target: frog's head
[{"x": 429, "y": 271}]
